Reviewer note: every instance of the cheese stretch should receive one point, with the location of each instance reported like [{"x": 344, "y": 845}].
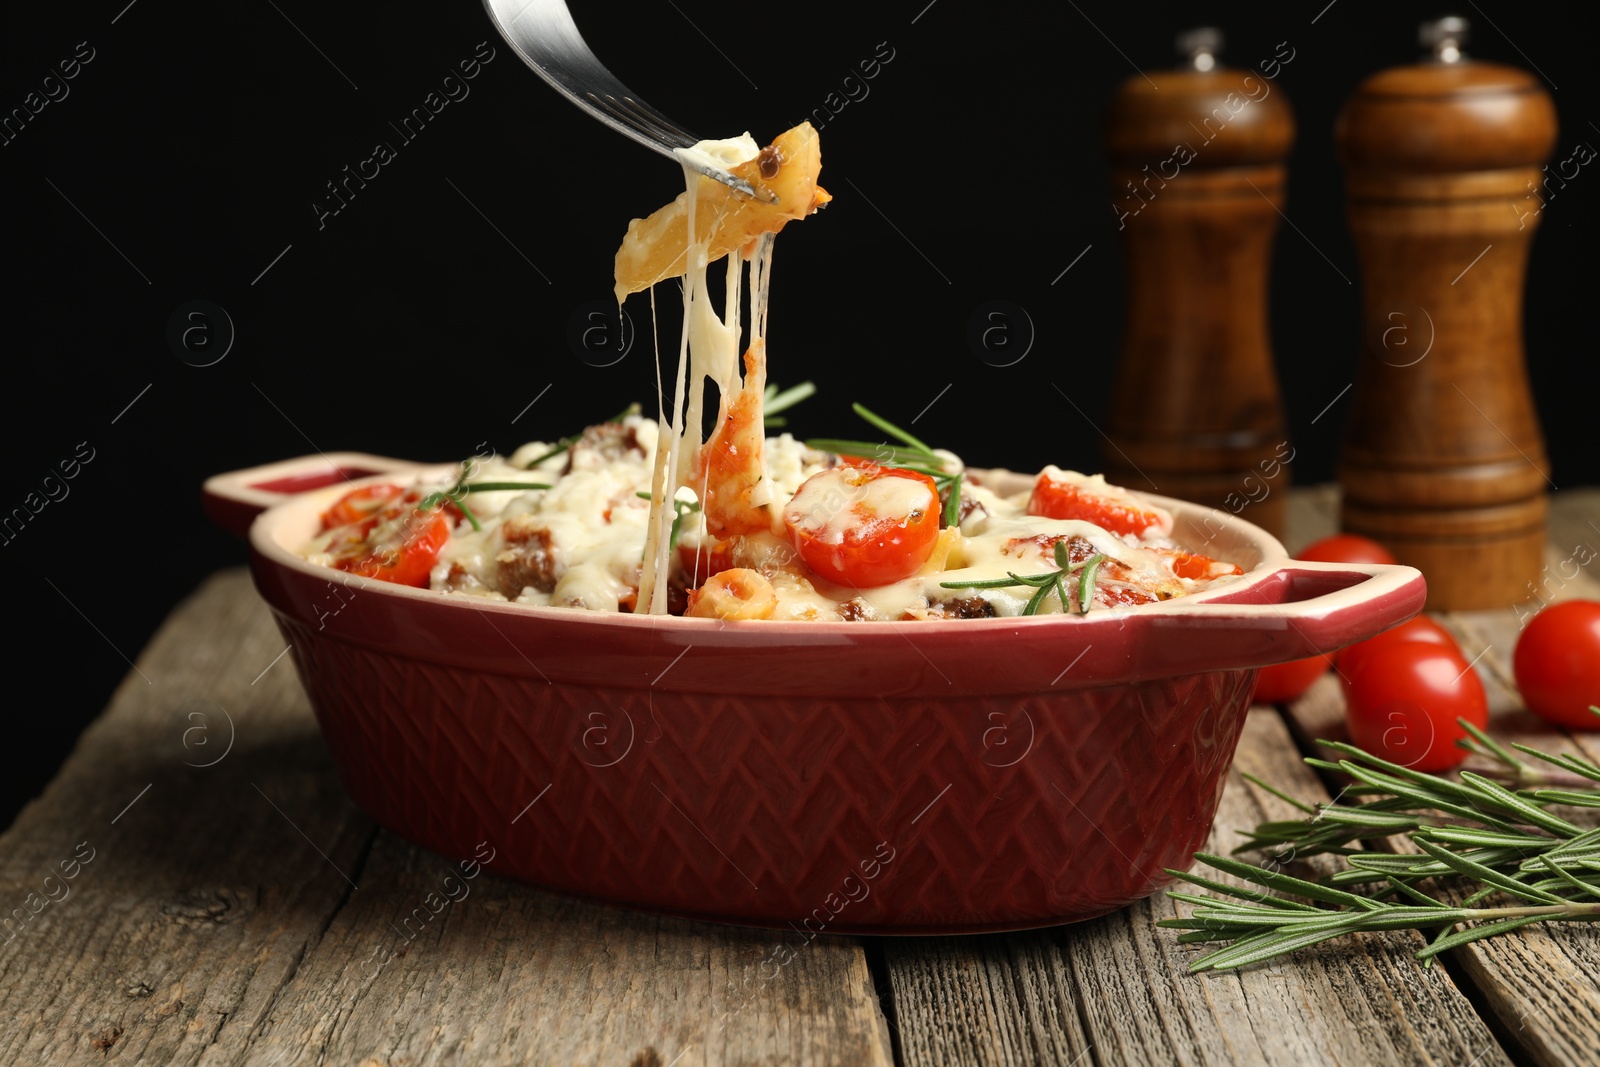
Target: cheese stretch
[
  {"x": 582, "y": 542},
  {"x": 654, "y": 516}
]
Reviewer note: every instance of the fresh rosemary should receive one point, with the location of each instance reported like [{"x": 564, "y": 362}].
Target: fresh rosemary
[
  {"x": 774, "y": 401},
  {"x": 1042, "y": 584},
  {"x": 683, "y": 508},
  {"x": 1480, "y": 839},
  {"x": 911, "y": 455},
  {"x": 457, "y": 493}
]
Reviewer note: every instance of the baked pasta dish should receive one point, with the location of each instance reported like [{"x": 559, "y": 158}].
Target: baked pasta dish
[{"x": 652, "y": 515}]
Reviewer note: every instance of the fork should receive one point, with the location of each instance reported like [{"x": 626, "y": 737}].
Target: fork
[{"x": 543, "y": 34}]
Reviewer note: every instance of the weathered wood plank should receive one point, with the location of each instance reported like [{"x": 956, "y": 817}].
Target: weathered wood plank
[
  {"x": 506, "y": 974},
  {"x": 1541, "y": 982},
  {"x": 216, "y": 921},
  {"x": 1005, "y": 1000}
]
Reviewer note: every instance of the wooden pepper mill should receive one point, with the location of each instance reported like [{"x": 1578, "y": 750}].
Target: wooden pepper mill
[
  {"x": 1443, "y": 460},
  {"x": 1197, "y": 182}
]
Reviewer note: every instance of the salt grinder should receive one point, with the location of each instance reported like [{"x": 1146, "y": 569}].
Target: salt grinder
[
  {"x": 1443, "y": 460},
  {"x": 1197, "y": 181}
]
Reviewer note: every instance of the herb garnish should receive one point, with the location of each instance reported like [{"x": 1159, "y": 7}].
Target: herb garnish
[
  {"x": 774, "y": 401},
  {"x": 682, "y": 507},
  {"x": 1043, "y": 583},
  {"x": 911, "y": 455},
  {"x": 456, "y": 494},
  {"x": 1483, "y": 837}
]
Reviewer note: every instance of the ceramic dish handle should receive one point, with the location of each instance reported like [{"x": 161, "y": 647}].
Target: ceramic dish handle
[
  {"x": 1304, "y": 608},
  {"x": 234, "y": 499}
]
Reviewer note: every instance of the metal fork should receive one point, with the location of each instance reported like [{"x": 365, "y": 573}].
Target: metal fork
[{"x": 543, "y": 34}]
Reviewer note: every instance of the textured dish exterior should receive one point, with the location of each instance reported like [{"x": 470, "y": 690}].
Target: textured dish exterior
[
  {"x": 937, "y": 777},
  {"x": 998, "y": 812}
]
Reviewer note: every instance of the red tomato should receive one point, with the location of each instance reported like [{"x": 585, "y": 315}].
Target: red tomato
[
  {"x": 1055, "y": 498},
  {"x": 1194, "y": 565},
  {"x": 1421, "y": 628},
  {"x": 396, "y": 543},
  {"x": 1403, "y": 703},
  {"x": 1283, "y": 682},
  {"x": 360, "y": 504},
  {"x": 1346, "y": 548},
  {"x": 1557, "y": 664},
  {"x": 864, "y": 526}
]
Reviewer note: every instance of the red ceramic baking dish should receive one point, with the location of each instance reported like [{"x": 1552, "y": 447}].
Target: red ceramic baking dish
[{"x": 871, "y": 777}]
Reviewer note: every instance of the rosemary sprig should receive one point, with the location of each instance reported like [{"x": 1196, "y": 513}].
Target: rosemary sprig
[
  {"x": 774, "y": 401},
  {"x": 457, "y": 493},
  {"x": 683, "y": 508},
  {"x": 1043, "y": 584},
  {"x": 910, "y": 455},
  {"x": 1483, "y": 839}
]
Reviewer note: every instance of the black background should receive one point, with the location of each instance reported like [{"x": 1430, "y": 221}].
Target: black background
[{"x": 428, "y": 313}]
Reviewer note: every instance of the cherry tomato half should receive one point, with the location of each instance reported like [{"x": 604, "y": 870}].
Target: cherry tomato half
[
  {"x": 1283, "y": 682},
  {"x": 1557, "y": 664},
  {"x": 392, "y": 541},
  {"x": 1063, "y": 498},
  {"x": 1346, "y": 548},
  {"x": 864, "y": 526},
  {"x": 1421, "y": 628},
  {"x": 360, "y": 504},
  {"x": 1403, "y": 702}
]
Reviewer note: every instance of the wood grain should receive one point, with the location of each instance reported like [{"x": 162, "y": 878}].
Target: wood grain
[
  {"x": 1007, "y": 999},
  {"x": 1443, "y": 459},
  {"x": 213, "y": 918},
  {"x": 217, "y": 921},
  {"x": 1198, "y": 187},
  {"x": 1539, "y": 983}
]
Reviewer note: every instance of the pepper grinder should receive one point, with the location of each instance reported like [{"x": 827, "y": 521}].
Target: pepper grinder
[
  {"x": 1197, "y": 181},
  {"x": 1443, "y": 461}
]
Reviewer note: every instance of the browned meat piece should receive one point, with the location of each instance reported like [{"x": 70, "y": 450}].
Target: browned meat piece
[
  {"x": 1078, "y": 548},
  {"x": 601, "y": 445},
  {"x": 971, "y": 607},
  {"x": 857, "y": 610},
  {"x": 527, "y": 558}
]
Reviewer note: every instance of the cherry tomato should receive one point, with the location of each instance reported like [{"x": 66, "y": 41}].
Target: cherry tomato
[
  {"x": 1194, "y": 565},
  {"x": 1421, "y": 628},
  {"x": 360, "y": 504},
  {"x": 1557, "y": 664},
  {"x": 1283, "y": 682},
  {"x": 1346, "y": 548},
  {"x": 1403, "y": 702},
  {"x": 1063, "y": 498},
  {"x": 395, "y": 542},
  {"x": 864, "y": 526}
]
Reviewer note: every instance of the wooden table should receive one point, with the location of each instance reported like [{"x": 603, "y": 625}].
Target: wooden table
[{"x": 229, "y": 905}]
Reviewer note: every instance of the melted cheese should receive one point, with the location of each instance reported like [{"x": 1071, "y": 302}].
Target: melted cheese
[
  {"x": 708, "y": 347},
  {"x": 578, "y": 543},
  {"x": 835, "y": 502}
]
